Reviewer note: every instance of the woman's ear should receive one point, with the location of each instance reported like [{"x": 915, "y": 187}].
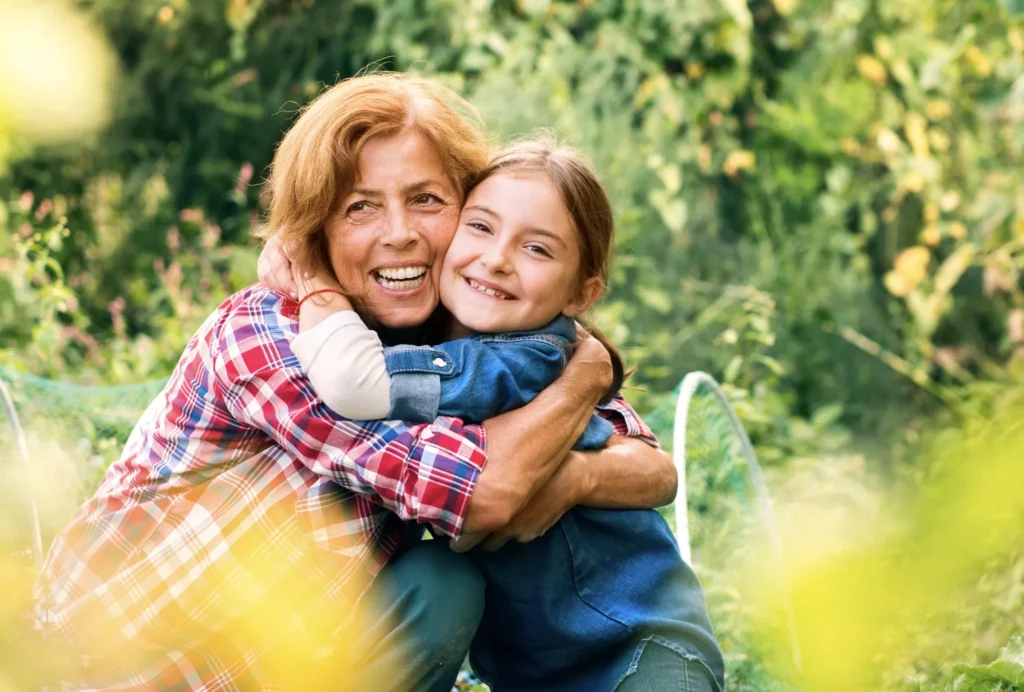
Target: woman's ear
[{"x": 584, "y": 298}]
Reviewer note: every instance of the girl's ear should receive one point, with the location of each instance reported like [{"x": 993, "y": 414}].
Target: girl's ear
[{"x": 586, "y": 297}]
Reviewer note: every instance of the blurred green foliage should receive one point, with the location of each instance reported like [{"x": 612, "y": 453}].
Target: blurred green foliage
[
  {"x": 857, "y": 162},
  {"x": 819, "y": 202}
]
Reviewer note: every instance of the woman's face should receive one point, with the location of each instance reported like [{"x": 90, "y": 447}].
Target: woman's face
[{"x": 389, "y": 236}]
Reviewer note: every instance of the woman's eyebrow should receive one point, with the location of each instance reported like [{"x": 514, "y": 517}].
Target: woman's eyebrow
[{"x": 406, "y": 189}]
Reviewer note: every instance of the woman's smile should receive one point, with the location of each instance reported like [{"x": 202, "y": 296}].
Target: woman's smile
[{"x": 403, "y": 278}]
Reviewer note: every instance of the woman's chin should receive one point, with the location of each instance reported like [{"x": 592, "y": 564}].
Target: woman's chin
[
  {"x": 404, "y": 316},
  {"x": 402, "y": 310}
]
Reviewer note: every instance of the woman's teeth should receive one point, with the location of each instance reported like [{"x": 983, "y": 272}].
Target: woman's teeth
[
  {"x": 401, "y": 278},
  {"x": 488, "y": 291}
]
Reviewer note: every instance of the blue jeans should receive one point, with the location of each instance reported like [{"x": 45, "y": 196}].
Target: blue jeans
[
  {"x": 423, "y": 610},
  {"x": 662, "y": 670}
]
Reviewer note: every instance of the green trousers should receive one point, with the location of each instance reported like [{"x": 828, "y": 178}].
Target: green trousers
[{"x": 422, "y": 612}]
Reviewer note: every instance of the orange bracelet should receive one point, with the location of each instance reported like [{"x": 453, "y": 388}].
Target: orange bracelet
[{"x": 320, "y": 290}]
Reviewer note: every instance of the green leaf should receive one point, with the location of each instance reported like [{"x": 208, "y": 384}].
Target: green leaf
[
  {"x": 654, "y": 298},
  {"x": 1008, "y": 668}
]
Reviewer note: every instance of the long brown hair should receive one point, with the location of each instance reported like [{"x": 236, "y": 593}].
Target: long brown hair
[{"x": 589, "y": 209}]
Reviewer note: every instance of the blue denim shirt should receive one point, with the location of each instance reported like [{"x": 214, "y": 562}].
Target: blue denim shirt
[
  {"x": 572, "y": 610},
  {"x": 483, "y": 375}
]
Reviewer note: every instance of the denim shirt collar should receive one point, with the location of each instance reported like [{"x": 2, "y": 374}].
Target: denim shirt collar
[{"x": 561, "y": 327}]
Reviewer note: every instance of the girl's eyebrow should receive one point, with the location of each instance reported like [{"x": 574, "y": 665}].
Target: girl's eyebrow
[
  {"x": 549, "y": 234},
  {"x": 484, "y": 209}
]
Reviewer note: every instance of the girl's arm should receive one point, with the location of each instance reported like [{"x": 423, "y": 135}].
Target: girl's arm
[{"x": 344, "y": 361}]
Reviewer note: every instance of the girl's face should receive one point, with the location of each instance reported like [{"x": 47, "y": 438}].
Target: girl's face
[{"x": 514, "y": 262}]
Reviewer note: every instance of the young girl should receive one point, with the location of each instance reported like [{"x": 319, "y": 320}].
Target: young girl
[{"x": 574, "y": 608}]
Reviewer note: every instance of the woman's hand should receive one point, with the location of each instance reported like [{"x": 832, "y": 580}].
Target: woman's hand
[
  {"x": 545, "y": 508},
  {"x": 274, "y": 269},
  {"x": 541, "y": 512},
  {"x": 590, "y": 363},
  {"x": 526, "y": 446}
]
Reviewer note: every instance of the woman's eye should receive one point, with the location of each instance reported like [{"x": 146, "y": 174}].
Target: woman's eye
[
  {"x": 426, "y": 198},
  {"x": 357, "y": 207}
]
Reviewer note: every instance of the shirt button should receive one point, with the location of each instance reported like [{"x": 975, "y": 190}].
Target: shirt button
[{"x": 439, "y": 362}]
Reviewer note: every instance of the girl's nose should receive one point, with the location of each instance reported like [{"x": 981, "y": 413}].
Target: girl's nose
[{"x": 496, "y": 260}]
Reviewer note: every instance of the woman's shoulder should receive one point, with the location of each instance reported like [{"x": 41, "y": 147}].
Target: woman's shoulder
[
  {"x": 253, "y": 319},
  {"x": 258, "y": 305},
  {"x": 260, "y": 301}
]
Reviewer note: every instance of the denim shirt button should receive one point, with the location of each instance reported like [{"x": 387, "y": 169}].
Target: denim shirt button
[{"x": 439, "y": 362}]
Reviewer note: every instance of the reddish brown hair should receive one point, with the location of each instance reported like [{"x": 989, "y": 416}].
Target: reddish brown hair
[{"x": 316, "y": 164}]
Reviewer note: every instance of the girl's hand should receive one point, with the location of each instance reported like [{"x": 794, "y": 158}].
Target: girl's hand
[{"x": 274, "y": 269}]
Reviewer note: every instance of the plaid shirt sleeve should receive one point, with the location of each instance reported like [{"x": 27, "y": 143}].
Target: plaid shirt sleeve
[
  {"x": 424, "y": 473},
  {"x": 626, "y": 421}
]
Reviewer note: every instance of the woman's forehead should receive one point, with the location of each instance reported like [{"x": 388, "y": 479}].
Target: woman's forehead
[{"x": 399, "y": 162}]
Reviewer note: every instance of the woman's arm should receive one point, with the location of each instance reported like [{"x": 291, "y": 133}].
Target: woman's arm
[
  {"x": 423, "y": 473},
  {"x": 527, "y": 445},
  {"x": 626, "y": 474}
]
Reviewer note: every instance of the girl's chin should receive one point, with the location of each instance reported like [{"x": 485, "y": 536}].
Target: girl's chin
[{"x": 486, "y": 323}]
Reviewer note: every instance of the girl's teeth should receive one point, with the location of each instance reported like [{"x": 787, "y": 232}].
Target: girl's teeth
[{"x": 487, "y": 291}]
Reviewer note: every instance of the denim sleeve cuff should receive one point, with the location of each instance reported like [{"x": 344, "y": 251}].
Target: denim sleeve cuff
[
  {"x": 415, "y": 396},
  {"x": 596, "y": 434}
]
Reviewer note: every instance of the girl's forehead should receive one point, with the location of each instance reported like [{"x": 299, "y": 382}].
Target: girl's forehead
[{"x": 508, "y": 187}]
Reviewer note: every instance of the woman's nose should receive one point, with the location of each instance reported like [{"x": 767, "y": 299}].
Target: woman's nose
[{"x": 398, "y": 231}]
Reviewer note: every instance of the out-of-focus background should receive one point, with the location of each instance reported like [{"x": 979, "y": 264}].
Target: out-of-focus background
[{"x": 819, "y": 202}]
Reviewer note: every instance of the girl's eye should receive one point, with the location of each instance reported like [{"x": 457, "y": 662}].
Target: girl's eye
[
  {"x": 539, "y": 250},
  {"x": 482, "y": 227}
]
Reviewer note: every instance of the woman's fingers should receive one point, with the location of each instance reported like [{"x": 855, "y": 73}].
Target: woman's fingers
[
  {"x": 494, "y": 542},
  {"x": 466, "y": 542}
]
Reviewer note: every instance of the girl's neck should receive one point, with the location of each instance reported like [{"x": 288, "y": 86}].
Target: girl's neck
[{"x": 457, "y": 330}]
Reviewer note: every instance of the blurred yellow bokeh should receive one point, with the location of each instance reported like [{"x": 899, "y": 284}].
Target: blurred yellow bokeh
[
  {"x": 867, "y": 583},
  {"x": 56, "y": 74}
]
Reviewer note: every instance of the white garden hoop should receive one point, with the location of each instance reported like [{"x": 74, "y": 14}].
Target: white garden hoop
[
  {"x": 687, "y": 389},
  {"x": 19, "y": 437}
]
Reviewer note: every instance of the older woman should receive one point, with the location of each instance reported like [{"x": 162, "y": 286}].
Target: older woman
[{"x": 227, "y": 547}]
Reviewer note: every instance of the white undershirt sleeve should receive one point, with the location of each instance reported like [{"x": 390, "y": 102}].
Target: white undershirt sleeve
[{"x": 344, "y": 360}]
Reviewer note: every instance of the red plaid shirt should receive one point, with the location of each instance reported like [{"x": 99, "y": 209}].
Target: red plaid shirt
[{"x": 239, "y": 486}]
